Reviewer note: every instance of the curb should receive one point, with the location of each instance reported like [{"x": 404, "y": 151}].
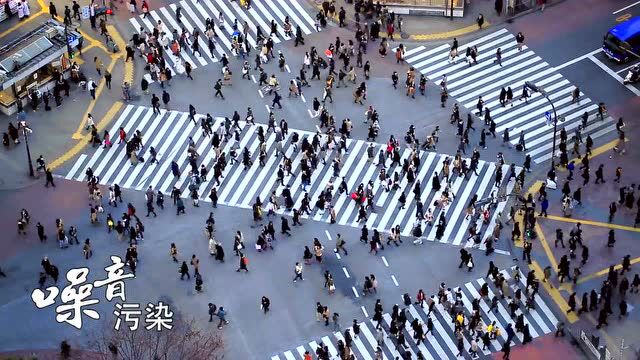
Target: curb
[{"x": 446, "y": 35}]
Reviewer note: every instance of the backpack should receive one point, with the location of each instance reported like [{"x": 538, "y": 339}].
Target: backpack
[{"x": 245, "y": 261}]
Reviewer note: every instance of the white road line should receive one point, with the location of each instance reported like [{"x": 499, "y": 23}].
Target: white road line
[
  {"x": 289, "y": 356},
  {"x": 337, "y": 255},
  {"x": 395, "y": 281},
  {"x": 366, "y": 314},
  {"x": 626, "y": 68},
  {"x": 578, "y": 59},
  {"x": 310, "y": 113},
  {"x": 614, "y": 75},
  {"x": 254, "y": 79},
  {"x": 346, "y": 273},
  {"x": 304, "y": 101},
  {"x": 261, "y": 94},
  {"x": 286, "y": 67},
  {"x": 355, "y": 292},
  {"x": 268, "y": 108},
  {"x": 76, "y": 166},
  {"x": 384, "y": 260},
  {"x": 328, "y": 235},
  {"x": 626, "y": 7}
]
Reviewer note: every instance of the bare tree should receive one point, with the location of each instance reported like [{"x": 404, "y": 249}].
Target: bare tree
[{"x": 184, "y": 341}]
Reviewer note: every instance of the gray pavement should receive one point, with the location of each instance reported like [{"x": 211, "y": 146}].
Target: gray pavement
[{"x": 250, "y": 334}]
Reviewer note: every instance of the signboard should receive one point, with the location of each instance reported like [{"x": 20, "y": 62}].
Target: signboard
[
  {"x": 85, "y": 12},
  {"x": 547, "y": 115}
]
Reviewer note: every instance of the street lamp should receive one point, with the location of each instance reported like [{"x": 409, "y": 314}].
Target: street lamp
[
  {"x": 540, "y": 90},
  {"x": 26, "y": 142}
]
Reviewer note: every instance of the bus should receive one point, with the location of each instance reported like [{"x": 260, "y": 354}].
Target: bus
[{"x": 623, "y": 40}]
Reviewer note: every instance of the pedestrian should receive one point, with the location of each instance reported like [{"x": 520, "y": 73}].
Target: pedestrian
[
  {"x": 222, "y": 315},
  {"x": 298, "y": 272},
  {"x": 184, "y": 270},
  {"x": 49, "y": 178},
  {"x": 264, "y": 304},
  {"x": 244, "y": 262}
]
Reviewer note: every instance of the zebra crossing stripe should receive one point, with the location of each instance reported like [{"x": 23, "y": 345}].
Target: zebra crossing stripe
[
  {"x": 232, "y": 19},
  {"x": 114, "y": 150},
  {"x": 169, "y": 140},
  {"x": 482, "y": 191},
  {"x": 76, "y": 166},
  {"x": 114, "y": 129},
  {"x": 267, "y": 15},
  {"x": 296, "y": 20},
  {"x": 174, "y": 24},
  {"x": 156, "y": 140}
]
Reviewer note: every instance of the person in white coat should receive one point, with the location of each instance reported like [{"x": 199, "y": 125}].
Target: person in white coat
[
  {"x": 20, "y": 8},
  {"x": 212, "y": 246},
  {"x": 25, "y": 8}
]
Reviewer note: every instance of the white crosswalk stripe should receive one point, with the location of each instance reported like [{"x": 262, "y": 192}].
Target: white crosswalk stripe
[
  {"x": 441, "y": 343},
  {"x": 465, "y": 83},
  {"x": 195, "y": 12},
  {"x": 169, "y": 133}
]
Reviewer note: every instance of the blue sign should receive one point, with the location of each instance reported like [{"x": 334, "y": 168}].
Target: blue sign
[
  {"x": 71, "y": 38},
  {"x": 548, "y": 116}
]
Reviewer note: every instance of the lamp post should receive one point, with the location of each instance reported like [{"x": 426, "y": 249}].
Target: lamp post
[
  {"x": 26, "y": 143},
  {"x": 540, "y": 90}
]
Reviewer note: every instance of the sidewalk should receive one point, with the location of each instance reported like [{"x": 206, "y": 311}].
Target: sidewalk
[
  {"x": 55, "y": 132},
  {"x": 425, "y": 28}
]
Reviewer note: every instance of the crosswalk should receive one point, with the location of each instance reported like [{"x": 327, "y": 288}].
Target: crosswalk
[
  {"x": 195, "y": 12},
  {"x": 486, "y": 78},
  {"x": 169, "y": 131},
  {"x": 441, "y": 344}
]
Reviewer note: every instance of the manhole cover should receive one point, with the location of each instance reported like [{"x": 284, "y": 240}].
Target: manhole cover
[{"x": 404, "y": 35}]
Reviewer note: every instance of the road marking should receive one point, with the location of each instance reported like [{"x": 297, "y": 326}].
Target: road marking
[
  {"x": 346, "y": 273},
  {"x": 547, "y": 248},
  {"x": 76, "y": 166},
  {"x": 623, "y": 17},
  {"x": 310, "y": 113},
  {"x": 337, "y": 255},
  {"x": 355, "y": 292},
  {"x": 366, "y": 314},
  {"x": 605, "y": 271},
  {"x": 286, "y": 66},
  {"x": 328, "y": 235},
  {"x": 254, "y": 79},
  {"x": 555, "y": 295},
  {"x": 384, "y": 260},
  {"x": 102, "y": 124},
  {"x": 594, "y": 223},
  {"x": 261, "y": 94},
  {"x": 268, "y": 108},
  {"x": 318, "y": 128},
  {"x": 626, "y": 7},
  {"x": 578, "y": 59},
  {"x": 627, "y": 68},
  {"x": 304, "y": 100},
  {"x": 614, "y": 75},
  {"x": 395, "y": 281}
]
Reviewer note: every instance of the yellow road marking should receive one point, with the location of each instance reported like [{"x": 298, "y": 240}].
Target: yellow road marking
[
  {"x": 32, "y": 17},
  {"x": 596, "y": 152},
  {"x": 449, "y": 34},
  {"x": 77, "y": 135},
  {"x": 101, "y": 125},
  {"x": 593, "y": 223},
  {"x": 519, "y": 217},
  {"x": 555, "y": 295},
  {"x": 128, "y": 66},
  {"x": 604, "y": 272},
  {"x": 546, "y": 247},
  {"x": 21, "y": 23},
  {"x": 623, "y": 17}
]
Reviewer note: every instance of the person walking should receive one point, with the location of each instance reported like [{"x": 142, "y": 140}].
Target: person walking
[
  {"x": 264, "y": 304},
  {"x": 222, "y": 315},
  {"x": 298, "y": 272},
  {"x": 244, "y": 262}
]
